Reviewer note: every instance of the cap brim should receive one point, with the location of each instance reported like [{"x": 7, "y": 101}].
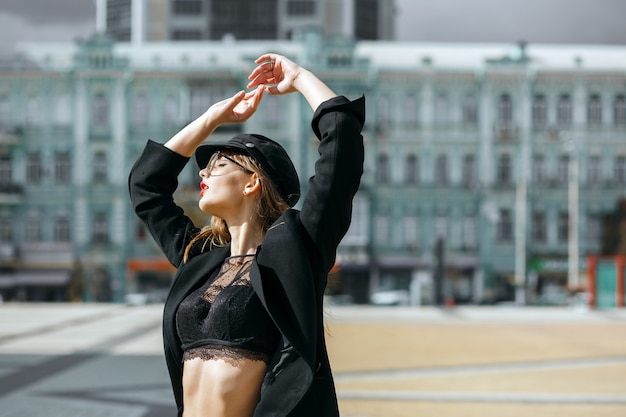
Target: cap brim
[{"x": 204, "y": 152}]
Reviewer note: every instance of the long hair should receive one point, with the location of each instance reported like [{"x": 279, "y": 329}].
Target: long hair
[{"x": 269, "y": 208}]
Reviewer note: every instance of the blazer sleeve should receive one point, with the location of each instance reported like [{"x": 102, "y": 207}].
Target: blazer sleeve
[
  {"x": 327, "y": 208},
  {"x": 152, "y": 182}
]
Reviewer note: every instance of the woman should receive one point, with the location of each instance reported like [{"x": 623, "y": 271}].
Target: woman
[{"x": 243, "y": 325}]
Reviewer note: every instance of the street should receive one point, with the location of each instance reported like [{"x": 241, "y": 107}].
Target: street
[{"x": 106, "y": 360}]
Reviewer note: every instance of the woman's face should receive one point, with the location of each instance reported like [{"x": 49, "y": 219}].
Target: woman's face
[{"x": 222, "y": 186}]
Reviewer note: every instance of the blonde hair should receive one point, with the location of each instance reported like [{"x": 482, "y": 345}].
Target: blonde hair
[{"x": 269, "y": 208}]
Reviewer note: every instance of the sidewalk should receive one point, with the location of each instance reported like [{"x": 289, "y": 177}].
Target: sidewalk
[{"x": 106, "y": 360}]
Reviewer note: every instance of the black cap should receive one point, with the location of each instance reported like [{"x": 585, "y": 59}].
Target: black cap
[{"x": 269, "y": 154}]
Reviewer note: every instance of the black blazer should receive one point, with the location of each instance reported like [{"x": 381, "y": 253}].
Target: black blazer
[{"x": 290, "y": 269}]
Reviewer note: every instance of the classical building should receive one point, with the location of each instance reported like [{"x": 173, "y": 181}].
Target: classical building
[
  {"x": 183, "y": 20},
  {"x": 488, "y": 167}
]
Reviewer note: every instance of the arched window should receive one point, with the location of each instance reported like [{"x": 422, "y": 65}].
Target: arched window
[
  {"x": 383, "y": 169},
  {"x": 504, "y": 169},
  {"x": 441, "y": 170},
  {"x": 141, "y": 109},
  {"x": 505, "y": 109},
  {"x": 100, "y": 168},
  {"x": 411, "y": 169},
  {"x": 594, "y": 111},
  {"x": 470, "y": 109},
  {"x": 100, "y": 109},
  {"x": 564, "y": 110}
]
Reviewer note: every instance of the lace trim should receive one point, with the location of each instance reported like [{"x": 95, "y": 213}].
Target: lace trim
[
  {"x": 231, "y": 355},
  {"x": 234, "y": 271}
]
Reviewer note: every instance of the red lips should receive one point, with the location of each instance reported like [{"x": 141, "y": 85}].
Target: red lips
[{"x": 203, "y": 188}]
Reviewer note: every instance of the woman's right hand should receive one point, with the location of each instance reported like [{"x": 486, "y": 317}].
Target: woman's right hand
[{"x": 236, "y": 109}]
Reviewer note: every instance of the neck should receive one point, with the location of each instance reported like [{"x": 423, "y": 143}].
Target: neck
[{"x": 245, "y": 238}]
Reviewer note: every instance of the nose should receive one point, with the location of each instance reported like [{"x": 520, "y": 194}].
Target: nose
[{"x": 204, "y": 173}]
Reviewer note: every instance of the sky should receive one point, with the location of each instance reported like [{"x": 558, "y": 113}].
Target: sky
[{"x": 510, "y": 21}]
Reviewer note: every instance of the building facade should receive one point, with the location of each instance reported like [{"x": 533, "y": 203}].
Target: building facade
[
  {"x": 183, "y": 20},
  {"x": 488, "y": 168}
]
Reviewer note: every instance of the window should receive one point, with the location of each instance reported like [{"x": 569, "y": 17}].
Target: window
[
  {"x": 411, "y": 169},
  {"x": 100, "y": 109},
  {"x": 441, "y": 170},
  {"x": 504, "y": 169},
  {"x": 620, "y": 169},
  {"x": 6, "y": 170},
  {"x": 358, "y": 232},
  {"x": 411, "y": 231},
  {"x": 593, "y": 229},
  {"x": 33, "y": 227},
  {"x": 540, "y": 111},
  {"x": 63, "y": 110},
  {"x": 563, "y": 227},
  {"x": 564, "y": 111},
  {"x": 562, "y": 171},
  {"x": 505, "y": 225},
  {"x": 141, "y": 109},
  {"x": 100, "y": 228},
  {"x": 539, "y": 169},
  {"x": 62, "y": 168},
  {"x": 62, "y": 228},
  {"x": 383, "y": 229},
  {"x": 469, "y": 171},
  {"x": 6, "y": 228},
  {"x": 538, "y": 232},
  {"x": 33, "y": 168},
  {"x": 382, "y": 169},
  {"x": 100, "y": 168},
  {"x": 187, "y": 7},
  {"x": 505, "y": 109},
  {"x": 442, "y": 109},
  {"x": 594, "y": 111},
  {"x": 468, "y": 233},
  {"x": 301, "y": 7},
  {"x": 411, "y": 111},
  {"x": 170, "y": 109},
  {"x": 470, "y": 109},
  {"x": 33, "y": 112},
  {"x": 593, "y": 170},
  {"x": 619, "y": 111}
]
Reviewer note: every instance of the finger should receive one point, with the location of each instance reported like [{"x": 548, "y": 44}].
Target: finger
[
  {"x": 265, "y": 57},
  {"x": 264, "y": 68},
  {"x": 236, "y": 99}
]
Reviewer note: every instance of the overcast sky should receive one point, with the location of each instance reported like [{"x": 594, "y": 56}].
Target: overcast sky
[{"x": 535, "y": 21}]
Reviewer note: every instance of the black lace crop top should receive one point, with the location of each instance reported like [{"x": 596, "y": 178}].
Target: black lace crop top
[{"x": 224, "y": 319}]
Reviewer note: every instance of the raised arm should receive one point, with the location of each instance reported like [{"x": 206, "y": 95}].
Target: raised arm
[
  {"x": 337, "y": 122},
  {"x": 288, "y": 77},
  {"x": 236, "y": 109}
]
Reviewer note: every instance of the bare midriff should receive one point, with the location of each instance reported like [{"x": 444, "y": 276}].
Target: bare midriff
[{"x": 216, "y": 388}]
